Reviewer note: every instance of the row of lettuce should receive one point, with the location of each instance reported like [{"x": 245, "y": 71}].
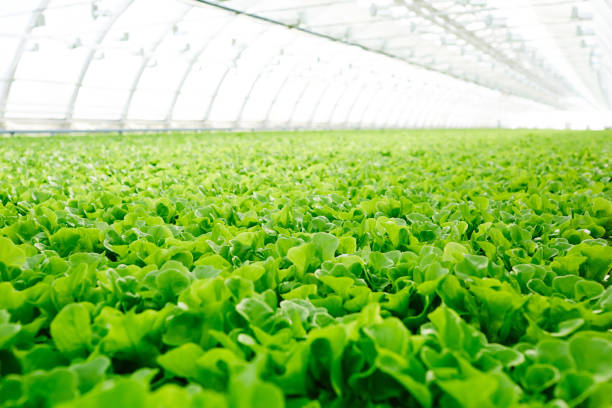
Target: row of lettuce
[{"x": 323, "y": 269}]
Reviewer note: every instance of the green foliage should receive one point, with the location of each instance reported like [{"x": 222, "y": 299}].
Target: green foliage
[{"x": 374, "y": 269}]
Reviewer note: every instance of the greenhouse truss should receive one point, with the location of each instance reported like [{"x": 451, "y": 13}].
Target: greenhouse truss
[
  {"x": 306, "y": 203},
  {"x": 83, "y": 64}
]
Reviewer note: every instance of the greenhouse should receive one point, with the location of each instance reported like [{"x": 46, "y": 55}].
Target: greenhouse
[{"x": 306, "y": 203}]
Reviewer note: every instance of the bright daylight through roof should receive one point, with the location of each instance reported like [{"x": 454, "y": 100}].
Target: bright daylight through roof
[
  {"x": 305, "y": 63},
  {"x": 305, "y": 203}
]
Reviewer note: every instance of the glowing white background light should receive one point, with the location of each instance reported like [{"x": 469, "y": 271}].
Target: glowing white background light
[{"x": 165, "y": 63}]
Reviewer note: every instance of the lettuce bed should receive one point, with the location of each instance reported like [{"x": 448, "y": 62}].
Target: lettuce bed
[{"x": 452, "y": 269}]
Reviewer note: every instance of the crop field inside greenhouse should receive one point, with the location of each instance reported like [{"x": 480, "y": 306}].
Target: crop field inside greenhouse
[{"x": 466, "y": 268}]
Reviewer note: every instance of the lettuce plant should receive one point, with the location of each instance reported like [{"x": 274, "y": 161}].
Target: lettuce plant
[{"x": 321, "y": 269}]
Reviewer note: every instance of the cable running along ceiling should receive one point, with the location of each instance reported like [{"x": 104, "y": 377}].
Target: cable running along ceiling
[{"x": 304, "y": 63}]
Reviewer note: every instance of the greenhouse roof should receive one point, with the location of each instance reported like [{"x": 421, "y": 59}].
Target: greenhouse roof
[{"x": 304, "y": 63}]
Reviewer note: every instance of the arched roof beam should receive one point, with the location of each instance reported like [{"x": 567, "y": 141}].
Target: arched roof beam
[
  {"x": 425, "y": 10},
  {"x": 42, "y": 6},
  {"x": 350, "y": 110},
  {"x": 145, "y": 62},
  {"x": 341, "y": 96},
  {"x": 192, "y": 63},
  {"x": 234, "y": 61},
  {"x": 381, "y": 89},
  {"x": 260, "y": 74},
  {"x": 90, "y": 56},
  {"x": 290, "y": 74},
  {"x": 551, "y": 100}
]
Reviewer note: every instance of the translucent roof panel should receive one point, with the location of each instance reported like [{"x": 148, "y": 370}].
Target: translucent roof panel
[{"x": 304, "y": 63}]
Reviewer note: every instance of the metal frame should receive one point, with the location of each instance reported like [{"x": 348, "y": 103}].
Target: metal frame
[
  {"x": 297, "y": 101},
  {"x": 374, "y": 105},
  {"x": 393, "y": 120},
  {"x": 313, "y": 112},
  {"x": 280, "y": 89},
  {"x": 415, "y": 112},
  {"x": 448, "y": 113},
  {"x": 260, "y": 74},
  {"x": 195, "y": 59},
  {"x": 537, "y": 85},
  {"x": 446, "y": 98},
  {"x": 145, "y": 62},
  {"x": 315, "y": 107},
  {"x": 192, "y": 62},
  {"x": 550, "y": 101},
  {"x": 42, "y": 6},
  {"x": 413, "y": 97},
  {"x": 120, "y": 131},
  {"x": 396, "y": 107},
  {"x": 400, "y": 107},
  {"x": 426, "y": 11},
  {"x": 341, "y": 97},
  {"x": 352, "y": 107},
  {"x": 230, "y": 67},
  {"x": 385, "y": 106},
  {"x": 89, "y": 59},
  {"x": 369, "y": 106},
  {"x": 429, "y": 113}
]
